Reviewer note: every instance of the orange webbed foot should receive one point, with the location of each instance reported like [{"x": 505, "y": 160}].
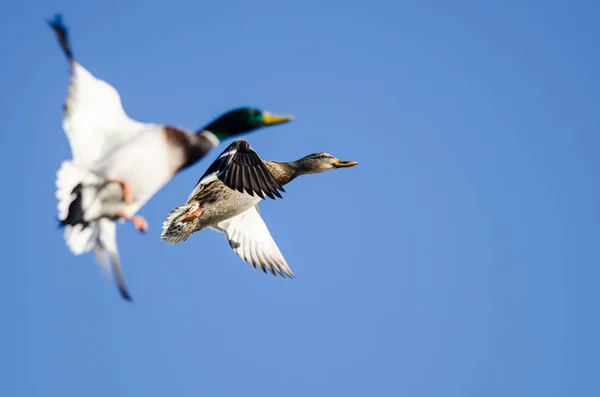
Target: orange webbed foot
[
  {"x": 193, "y": 215},
  {"x": 127, "y": 191},
  {"x": 138, "y": 221}
]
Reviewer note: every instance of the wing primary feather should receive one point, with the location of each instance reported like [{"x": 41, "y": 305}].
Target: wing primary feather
[
  {"x": 251, "y": 187},
  {"x": 243, "y": 180},
  {"x": 224, "y": 176},
  {"x": 276, "y": 185},
  {"x": 235, "y": 177},
  {"x": 242, "y": 169},
  {"x": 269, "y": 182},
  {"x": 229, "y": 177},
  {"x": 260, "y": 257},
  {"x": 271, "y": 270},
  {"x": 258, "y": 174},
  {"x": 277, "y": 266},
  {"x": 63, "y": 35},
  {"x": 269, "y": 179},
  {"x": 262, "y": 182},
  {"x": 254, "y": 184},
  {"x": 252, "y": 242}
]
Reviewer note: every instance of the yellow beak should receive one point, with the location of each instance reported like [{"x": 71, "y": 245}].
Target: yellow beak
[
  {"x": 344, "y": 164},
  {"x": 272, "y": 119}
]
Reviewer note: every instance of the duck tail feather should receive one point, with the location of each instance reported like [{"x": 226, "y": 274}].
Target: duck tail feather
[
  {"x": 174, "y": 230},
  {"x": 81, "y": 238}
]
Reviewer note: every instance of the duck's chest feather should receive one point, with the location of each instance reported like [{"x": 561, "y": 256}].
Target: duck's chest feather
[{"x": 151, "y": 159}]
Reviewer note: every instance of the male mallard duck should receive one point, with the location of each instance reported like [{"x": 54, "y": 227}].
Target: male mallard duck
[
  {"x": 119, "y": 163},
  {"x": 234, "y": 211}
]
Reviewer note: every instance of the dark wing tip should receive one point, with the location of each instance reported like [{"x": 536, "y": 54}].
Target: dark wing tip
[
  {"x": 243, "y": 144},
  {"x": 62, "y": 33},
  {"x": 116, "y": 267},
  {"x": 244, "y": 171},
  {"x": 58, "y": 26},
  {"x": 124, "y": 294},
  {"x": 56, "y": 22},
  {"x": 275, "y": 185},
  {"x": 270, "y": 195}
]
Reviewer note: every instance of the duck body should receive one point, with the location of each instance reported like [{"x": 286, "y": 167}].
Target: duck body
[
  {"x": 213, "y": 200},
  {"x": 219, "y": 202},
  {"x": 149, "y": 161},
  {"x": 226, "y": 196},
  {"x": 229, "y": 204}
]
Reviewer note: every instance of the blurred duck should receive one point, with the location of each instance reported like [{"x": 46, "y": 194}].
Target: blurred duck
[{"x": 119, "y": 163}]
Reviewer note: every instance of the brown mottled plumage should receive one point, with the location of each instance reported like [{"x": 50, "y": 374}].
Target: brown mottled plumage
[
  {"x": 233, "y": 211},
  {"x": 284, "y": 172}
]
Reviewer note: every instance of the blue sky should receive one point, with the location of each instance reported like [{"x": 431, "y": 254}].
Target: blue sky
[{"x": 458, "y": 259}]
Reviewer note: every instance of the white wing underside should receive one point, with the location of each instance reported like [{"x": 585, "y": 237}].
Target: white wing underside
[
  {"x": 96, "y": 125},
  {"x": 95, "y": 121},
  {"x": 250, "y": 239}
]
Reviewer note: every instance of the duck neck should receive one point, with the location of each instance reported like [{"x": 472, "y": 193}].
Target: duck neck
[
  {"x": 205, "y": 134},
  {"x": 191, "y": 147},
  {"x": 286, "y": 171}
]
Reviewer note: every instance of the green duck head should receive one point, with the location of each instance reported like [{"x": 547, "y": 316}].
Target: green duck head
[{"x": 242, "y": 120}]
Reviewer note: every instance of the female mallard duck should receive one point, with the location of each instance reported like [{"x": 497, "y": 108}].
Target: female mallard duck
[
  {"x": 234, "y": 210},
  {"x": 119, "y": 163}
]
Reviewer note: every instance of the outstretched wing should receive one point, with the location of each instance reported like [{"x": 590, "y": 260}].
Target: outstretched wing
[
  {"x": 95, "y": 121},
  {"x": 240, "y": 168},
  {"x": 250, "y": 239}
]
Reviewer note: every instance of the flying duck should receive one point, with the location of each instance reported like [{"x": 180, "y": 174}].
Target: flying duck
[
  {"x": 226, "y": 197},
  {"x": 119, "y": 163}
]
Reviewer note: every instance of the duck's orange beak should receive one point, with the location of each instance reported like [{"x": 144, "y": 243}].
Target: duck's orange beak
[{"x": 344, "y": 164}]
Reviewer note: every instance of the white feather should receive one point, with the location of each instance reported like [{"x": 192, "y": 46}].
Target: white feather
[
  {"x": 96, "y": 125},
  {"x": 95, "y": 122},
  {"x": 211, "y": 137},
  {"x": 68, "y": 176},
  {"x": 81, "y": 240},
  {"x": 229, "y": 153},
  {"x": 250, "y": 239}
]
